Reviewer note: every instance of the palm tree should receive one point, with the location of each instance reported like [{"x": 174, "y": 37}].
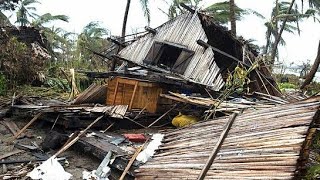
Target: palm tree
[
  {"x": 93, "y": 37},
  {"x": 146, "y": 11},
  {"x": 286, "y": 13},
  {"x": 40, "y": 21},
  {"x": 26, "y": 11},
  {"x": 313, "y": 70},
  {"x": 279, "y": 13}
]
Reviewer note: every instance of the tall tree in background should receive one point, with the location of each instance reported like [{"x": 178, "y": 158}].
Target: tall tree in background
[
  {"x": 286, "y": 17},
  {"x": 233, "y": 17},
  {"x": 314, "y": 69},
  {"x": 279, "y": 13},
  {"x": 93, "y": 37},
  {"x": 279, "y": 35},
  {"x": 25, "y": 11},
  {"x": 146, "y": 11}
]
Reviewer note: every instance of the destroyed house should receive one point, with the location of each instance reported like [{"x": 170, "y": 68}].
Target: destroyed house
[{"x": 193, "y": 48}]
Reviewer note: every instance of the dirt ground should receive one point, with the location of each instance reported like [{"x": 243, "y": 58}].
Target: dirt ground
[{"x": 75, "y": 162}]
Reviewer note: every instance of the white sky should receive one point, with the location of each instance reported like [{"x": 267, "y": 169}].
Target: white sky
[{"x": 110, "y": 13}]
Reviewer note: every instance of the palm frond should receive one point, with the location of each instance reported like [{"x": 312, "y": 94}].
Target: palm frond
[{"x": 145, "y": 8}]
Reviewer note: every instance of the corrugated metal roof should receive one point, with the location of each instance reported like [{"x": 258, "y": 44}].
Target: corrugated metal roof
[{"x": 185, "y": 30}]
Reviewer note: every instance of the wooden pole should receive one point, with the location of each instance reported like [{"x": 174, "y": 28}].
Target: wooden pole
[
  {"x": 64, "y": 148},
  {"x": 131, "y": 161},
  {"x": 162, "y": 116},
  {"x": 26, "y": 126},
  {"x": 217, "y": 147}
]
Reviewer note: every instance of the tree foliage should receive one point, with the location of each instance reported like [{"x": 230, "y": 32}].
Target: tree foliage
[
  {"x": 26, "y": 10},
  {"x": 18, "y": 63}
]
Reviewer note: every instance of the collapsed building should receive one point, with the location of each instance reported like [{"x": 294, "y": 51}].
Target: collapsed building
[
  {"x": 184, "y": 64},
  {"x": 186, "y": 55}
]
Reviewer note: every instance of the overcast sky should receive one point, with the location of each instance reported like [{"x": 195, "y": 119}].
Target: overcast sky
[{"x": 110, "y": 14}]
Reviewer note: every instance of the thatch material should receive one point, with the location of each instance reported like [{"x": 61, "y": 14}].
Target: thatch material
[{"x": 264, "y": 144}]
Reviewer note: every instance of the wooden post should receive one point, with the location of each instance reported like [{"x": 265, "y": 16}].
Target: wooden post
[
  {"x": 115, "y": 93},
  {"x": 133, "y": 94},
  {"x": 217, "y": 147}
]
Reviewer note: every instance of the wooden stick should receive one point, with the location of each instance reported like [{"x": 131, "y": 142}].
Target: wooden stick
[
  {"x": 108, "y": 127},
  {"x": 55, "y": 121},
  {"x": 132, "y": 160},
  {"x": 26, "y": 126},
  {"x": 10, "y": 154},
  {"x": 64, "y": 148},
  {"x": 162, "y": 116},
  {"x": 217, "y": 147},
  {"x": 133, "y": 95}
]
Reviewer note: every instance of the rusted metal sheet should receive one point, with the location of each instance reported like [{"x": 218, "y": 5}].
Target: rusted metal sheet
[
  {"x": 263, "y": 144},
  {"x": 185, "y": 30}
]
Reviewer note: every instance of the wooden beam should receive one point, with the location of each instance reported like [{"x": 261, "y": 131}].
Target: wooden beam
[
  {"x": 132, "y": 160},
  {"x": 133, "y": 94},
  {"x": 217, "y": 147},
  {"x": 203, "y": 44},
  {"x": 116, "y": 42},
  {"x": 66, "y": 146},
  {"x": 150, "y": 30},
  {"x": 162, "y": 116}
]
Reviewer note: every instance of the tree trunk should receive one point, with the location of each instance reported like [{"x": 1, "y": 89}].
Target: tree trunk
[
  {"x": 125, "y": 18},
  {"x": 265, "y": 51},
  {"x": 277, "y": 40},
  {"x": 313, "y": 70},
  {"x": 233, "y": 18}
]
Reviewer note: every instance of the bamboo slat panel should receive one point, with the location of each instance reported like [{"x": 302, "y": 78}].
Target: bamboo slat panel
[{"x": 264, "y": 144}]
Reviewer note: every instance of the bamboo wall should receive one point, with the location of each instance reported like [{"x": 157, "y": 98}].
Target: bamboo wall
[
  {"x": 184, "y": 30},
  {"x": 263, "y": 144}
]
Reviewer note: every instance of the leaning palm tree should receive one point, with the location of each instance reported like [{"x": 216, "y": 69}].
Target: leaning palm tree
[
  {"x": 25, "y": 11},
  {"x": 146, "y": 11},
  {"x": 287, "y": 14}
]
